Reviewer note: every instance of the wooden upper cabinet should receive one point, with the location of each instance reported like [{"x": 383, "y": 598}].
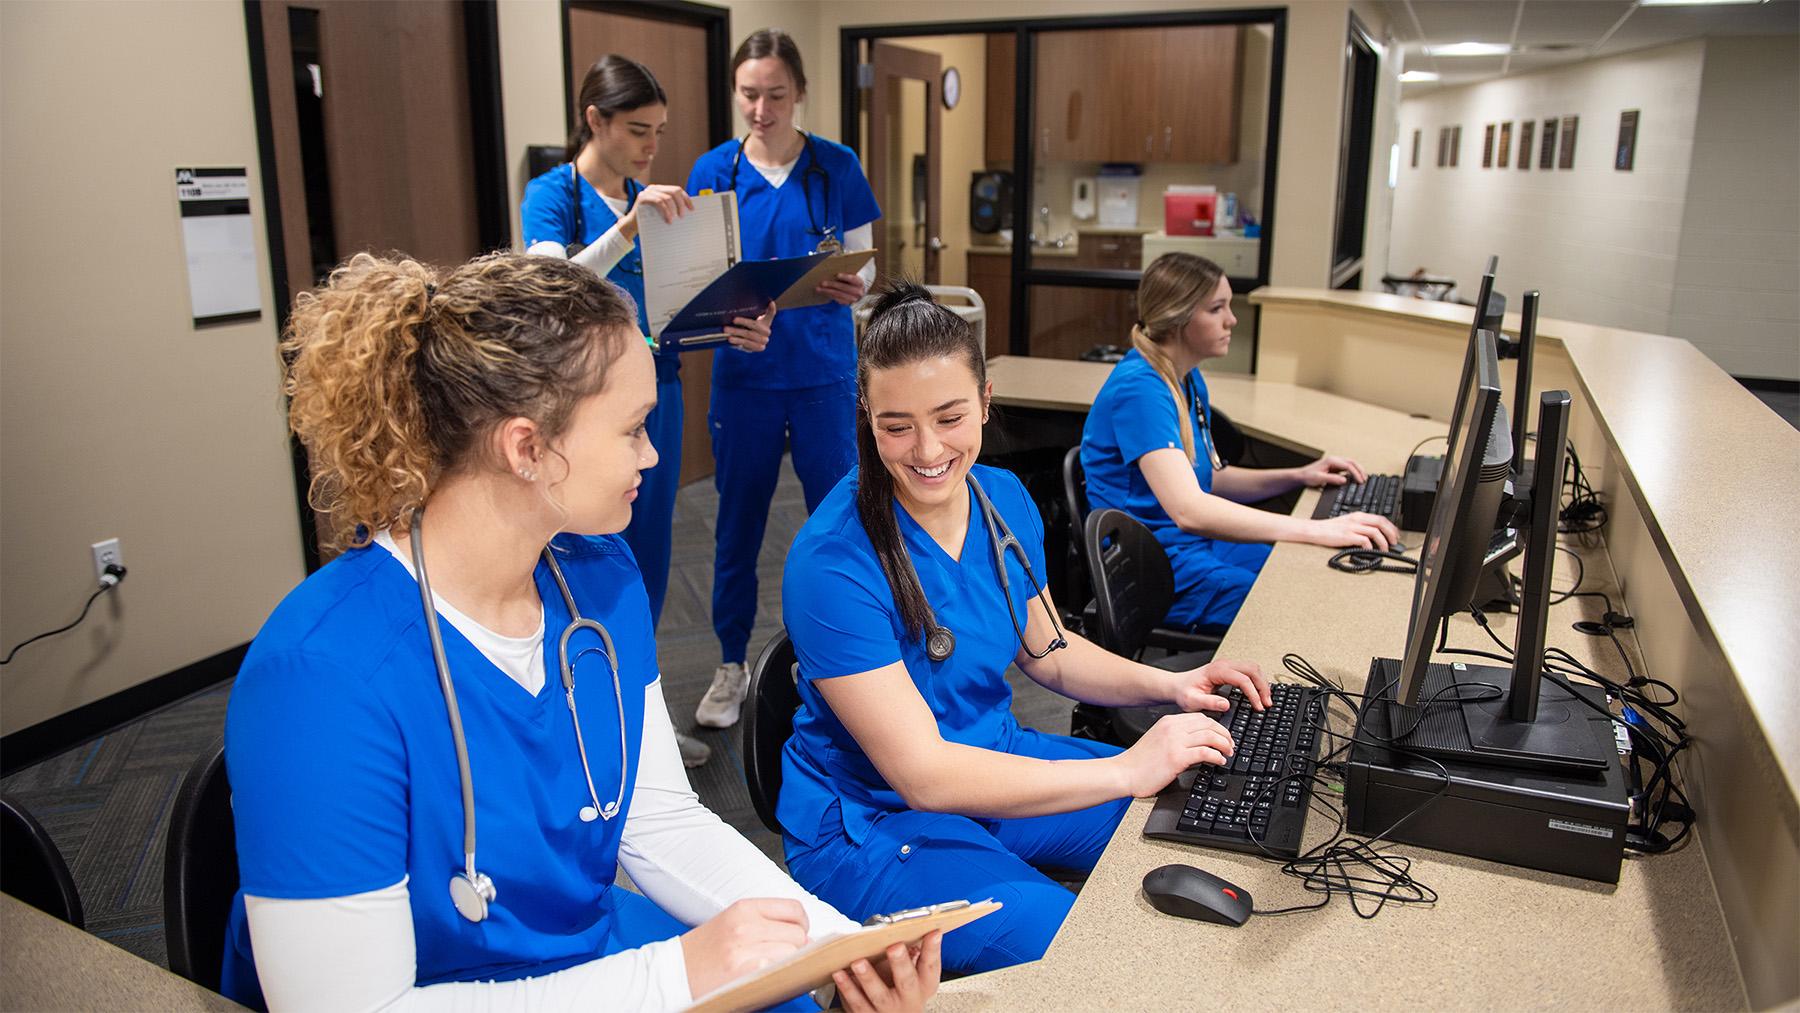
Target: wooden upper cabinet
[{"x": 1139, "y": 94}]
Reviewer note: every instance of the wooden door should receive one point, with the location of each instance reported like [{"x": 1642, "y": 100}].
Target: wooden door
[
  {"x": 676, "y": 53},
  {"x": 892, "y": 65},
  {"x": 1001, "y": 50},
  {"x": 392, "y": 89}
]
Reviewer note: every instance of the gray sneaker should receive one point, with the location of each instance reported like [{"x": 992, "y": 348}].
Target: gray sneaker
[
  {"x": 694, "y": 753},
  {"x": 725, "y": 697}
]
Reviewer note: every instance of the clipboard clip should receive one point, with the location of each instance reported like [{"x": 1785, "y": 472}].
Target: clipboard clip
[{"x": 916, "y": 912}]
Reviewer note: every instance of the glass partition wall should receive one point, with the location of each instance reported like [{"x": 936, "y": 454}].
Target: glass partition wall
[{"x": 1074, "y": 152}]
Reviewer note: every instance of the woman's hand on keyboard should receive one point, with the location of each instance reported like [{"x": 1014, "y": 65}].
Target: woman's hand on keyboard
[
  {"x": 1353, "y": 531},
  {"x": 1197, "y": 689},
  {"x": 1330, "y": 470},
  {"x": 1172, "y": 745}
]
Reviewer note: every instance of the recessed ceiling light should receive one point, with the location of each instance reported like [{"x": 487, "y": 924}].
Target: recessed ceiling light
[
  {"x": 1415, "y": 76},
  {"x": 1470, "y": 49},
  {"x": 1694, "y": 3}
]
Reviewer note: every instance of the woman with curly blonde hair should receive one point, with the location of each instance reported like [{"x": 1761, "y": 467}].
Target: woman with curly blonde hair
[{"x": 481, "y": 656}]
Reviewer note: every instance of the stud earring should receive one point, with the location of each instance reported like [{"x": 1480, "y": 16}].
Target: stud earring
[{"x": 527, "y": 474}]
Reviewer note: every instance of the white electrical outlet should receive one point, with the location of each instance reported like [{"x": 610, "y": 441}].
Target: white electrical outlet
[{"x": 107, "y": 554}]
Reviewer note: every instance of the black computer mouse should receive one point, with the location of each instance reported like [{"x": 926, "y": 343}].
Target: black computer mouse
[{"x": 1187, "y": 892}]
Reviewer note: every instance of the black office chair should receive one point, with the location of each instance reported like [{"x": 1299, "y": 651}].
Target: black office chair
[
  {"x": 200, "y": 870},
  {"x": 32, "y": 869},
  {"x": 772, "y": 700},
  {"x": 1134, "y": 587}
]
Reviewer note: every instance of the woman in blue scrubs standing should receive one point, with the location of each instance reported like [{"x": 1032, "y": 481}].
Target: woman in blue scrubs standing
[
  {"x": 480, "y": 658},
  {"x": 1147, "y": 449},
  {"x": 591, "y": 203},
  {"x": 797, "y": 193},
  {"x": 907, "y": 779}
]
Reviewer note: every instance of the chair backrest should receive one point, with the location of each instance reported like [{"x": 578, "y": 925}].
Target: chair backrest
[
  {"x": 31, "y": 868},
  {"x": 1133, "y": 582},
  {"x": 768, "y": 723},
  {"x": 200, "y": 870}
]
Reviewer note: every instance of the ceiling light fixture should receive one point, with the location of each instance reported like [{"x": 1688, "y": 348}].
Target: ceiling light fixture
[
  {"x": 1695, "y": 3},
  {"x": 1470, "y": 49},
  {"x": 1416, "y": 76}
]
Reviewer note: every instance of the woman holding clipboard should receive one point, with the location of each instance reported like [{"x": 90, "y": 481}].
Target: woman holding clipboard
[
  {"x": 797, "y": 194},
  {"x": 591, "y": 203}
]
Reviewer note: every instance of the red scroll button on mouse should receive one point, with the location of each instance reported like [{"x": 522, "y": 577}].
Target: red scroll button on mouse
[{"x": 1229, "y": 892}]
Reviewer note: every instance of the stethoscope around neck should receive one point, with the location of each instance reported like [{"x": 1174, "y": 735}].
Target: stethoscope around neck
[
  {"x": 575, "y": 201},
  {"x": 940, "y": 643},
  {"x": 471, "y": 891},
  {"x": 1212, "y": 449},
  {"x": 828, "y": 241}
]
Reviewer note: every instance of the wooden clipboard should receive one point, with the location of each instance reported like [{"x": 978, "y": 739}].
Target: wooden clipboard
[
  {"x": 812, "y": 965},
  {"x": 801, "y": 293}
]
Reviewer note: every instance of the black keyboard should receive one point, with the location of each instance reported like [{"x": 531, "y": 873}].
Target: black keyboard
[
  {"x": 1379, "y": 495},
  {"x": 1257, "y": 803}
]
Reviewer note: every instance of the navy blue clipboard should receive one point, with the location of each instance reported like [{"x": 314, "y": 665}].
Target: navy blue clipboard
[{"x": 743, "y": 291}]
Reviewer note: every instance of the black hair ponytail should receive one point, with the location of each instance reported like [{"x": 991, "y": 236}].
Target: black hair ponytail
[{"x": 905, "y": 326}]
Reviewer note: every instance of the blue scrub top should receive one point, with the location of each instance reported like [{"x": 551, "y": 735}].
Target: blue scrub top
[
  {"x": 1133, "y": 415},
  {"x": 344, "y": 775},
  {"x": 814, "y": 345},
  {"x": 843, "y": 621},
  {"x": 548, "y": 214}
]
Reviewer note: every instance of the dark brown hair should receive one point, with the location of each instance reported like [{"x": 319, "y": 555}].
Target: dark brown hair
[
  {"x": 906, "y": 326},
  {"x": 770, "y": 42},
  {"x": 396, "y": 371},
  {"x": 614, "y": 84}
]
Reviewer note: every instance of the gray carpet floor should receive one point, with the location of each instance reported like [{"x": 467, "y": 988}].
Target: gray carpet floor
[{"x": 106, "y": 804}]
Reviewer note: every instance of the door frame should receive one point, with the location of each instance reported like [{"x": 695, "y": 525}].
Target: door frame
[
  {"x": 1024, "y": 275},
  {"x": 1362, "y": 81},
  {"x": 894, "y": 61},
  {"x": 716, "y": 21},
  {"x": 481, "y": 31}
]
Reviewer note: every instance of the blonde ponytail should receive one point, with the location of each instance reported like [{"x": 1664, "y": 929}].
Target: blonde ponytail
[{"x": 1172, "y": 287}]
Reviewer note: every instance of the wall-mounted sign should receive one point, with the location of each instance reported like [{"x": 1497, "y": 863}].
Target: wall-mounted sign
[
  {"x": 1548, "y": 159},
  {"x": 219, "y": 243},
  {"x": 1567, "y": 159},
  {"x": 1487, "y": 147},
  {"x": 1455, "y": 143},
  {"x": 1626, "y": 153},
  {"x": 1527, "y": 130}
]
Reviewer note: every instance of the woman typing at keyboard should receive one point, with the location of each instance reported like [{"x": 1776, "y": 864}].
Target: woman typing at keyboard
[
  {"x": 907, "y": 594},
  {"x": 1148, "y": 450}
]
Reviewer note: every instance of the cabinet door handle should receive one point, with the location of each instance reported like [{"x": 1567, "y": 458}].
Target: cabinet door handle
[{"x": 1168, "y": 140}]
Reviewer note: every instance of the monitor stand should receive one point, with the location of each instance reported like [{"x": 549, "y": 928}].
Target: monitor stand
[{"x": 1481, "y": 731}]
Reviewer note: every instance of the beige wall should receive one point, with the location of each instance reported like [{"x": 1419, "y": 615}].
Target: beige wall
[
  {"x": 1601, "y": 244},
  {"x": 117, "y": 417},
  {"x": 1737, "y": 274}
]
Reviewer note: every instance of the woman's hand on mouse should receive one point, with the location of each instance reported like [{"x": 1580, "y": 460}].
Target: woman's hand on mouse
[
  {"x": 910, "y": 982},
  {"x": 1197, "y": 689},
  {"x": 747, "y": 936},
  {"x": 1172, "y": 745},
  {"x": 1353, "y": 531}
]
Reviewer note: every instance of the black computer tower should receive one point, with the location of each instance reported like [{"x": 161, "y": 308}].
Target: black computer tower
[{"x": 1568, "y": 823}]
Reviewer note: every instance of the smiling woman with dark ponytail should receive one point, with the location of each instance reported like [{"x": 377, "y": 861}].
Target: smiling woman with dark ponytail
[{"x": 907, "y": 780}]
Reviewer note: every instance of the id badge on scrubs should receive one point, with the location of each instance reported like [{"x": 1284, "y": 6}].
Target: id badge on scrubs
[{"x": 830, "y": 243}]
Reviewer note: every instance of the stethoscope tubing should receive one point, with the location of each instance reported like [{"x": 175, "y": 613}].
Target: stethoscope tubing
[
  {"x": 576, "y": 242},
  {"x": 812, "y": 166}
]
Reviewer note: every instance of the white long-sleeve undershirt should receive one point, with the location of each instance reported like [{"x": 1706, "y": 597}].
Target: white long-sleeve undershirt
[{"x": 358, "y": 952}]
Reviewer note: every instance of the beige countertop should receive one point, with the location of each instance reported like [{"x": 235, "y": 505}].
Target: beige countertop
[
  {"x": 47, "y": 964},
  {"x": 1497, "y": 938}
]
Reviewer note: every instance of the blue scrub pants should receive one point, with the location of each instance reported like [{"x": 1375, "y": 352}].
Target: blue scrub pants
[
  {"x": 749, "y": 428},
  {"x": 1211, "y": 580},
  {"x": 909, "y": 858},
  {"x": 651, "y": 531}
]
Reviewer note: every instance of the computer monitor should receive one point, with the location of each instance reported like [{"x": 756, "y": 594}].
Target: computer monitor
[{"x": 1472, "y": 712}]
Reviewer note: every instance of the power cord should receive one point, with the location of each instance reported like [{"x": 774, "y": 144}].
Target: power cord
[
  {"x": 1360, "y": 560},
  {"x": 1582, "y": 509},
  {"x": 108, "y": 580}
]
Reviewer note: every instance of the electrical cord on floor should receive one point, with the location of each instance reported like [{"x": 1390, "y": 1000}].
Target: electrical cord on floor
[{"x": 108, "y": 580}]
